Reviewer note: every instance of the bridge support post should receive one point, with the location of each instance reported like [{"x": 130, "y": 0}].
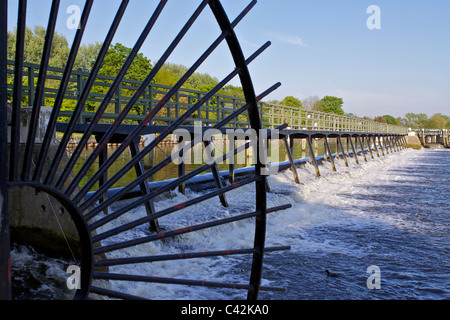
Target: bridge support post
[
  {"x": 216, "y": 175},
  {"x": 369, "y": 147},
  {"x": 291, "y": 160},
  {"x": 149, "y": 206},
  {"x": 375, "y": 145},
  {"x": 362, "y": 148},
  {"x": 312, "y": 156},
  {"x": 354, "y": 151},
  {"x": 327, "y": 145},
  {"x": 342, "y": 149},
  {"x": 381, "y": 145}
]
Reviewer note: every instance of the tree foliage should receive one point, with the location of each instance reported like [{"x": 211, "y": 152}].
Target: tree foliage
[
  {"x": 330, "y": 104},
  {"x": 291, "y": 101}
]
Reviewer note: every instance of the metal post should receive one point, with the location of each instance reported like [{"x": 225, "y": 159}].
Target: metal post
[
  {"x": 5, "y": 260},
  {"x": 181, "y": 171},
  {"x": 102, "y": 157},
  {"x": 375, "y": 145},
  {"x": 362, "y": 148},
  {"x": 312, "y": 157},
  {"x": 291, "y": 160},
  {"x": 327, "y": 145},
  {"x": 368, "y": 146},
  {"x": 139, "y": 168},
  {"x": 354, "y": 151},
  {"x": 216, "y": 175},
  {"x": 342, "y": 149}
]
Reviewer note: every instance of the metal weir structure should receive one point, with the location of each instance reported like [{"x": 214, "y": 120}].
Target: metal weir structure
[{"x": 32, "y": 166}]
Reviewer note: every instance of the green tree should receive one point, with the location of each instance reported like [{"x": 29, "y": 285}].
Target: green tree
[
  {"x": 416, "y": 120},
  {"x": 34, "y": 45},
  {"x": 437, "y": 121},
  {"x": 291, "y": 101},
  {"x": 380, "y": 119},
  {"x": 390, "y": 120},
  {"x": 87, "y": 55},
  {"x": 115, "y": 59},
  {"x": 331, "y": 104}
]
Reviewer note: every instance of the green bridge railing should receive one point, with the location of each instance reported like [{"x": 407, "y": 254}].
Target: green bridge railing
[{"x": 214, "y": 110}]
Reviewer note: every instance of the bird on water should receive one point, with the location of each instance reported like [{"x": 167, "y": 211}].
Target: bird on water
[{"x": 330, "y": 274}]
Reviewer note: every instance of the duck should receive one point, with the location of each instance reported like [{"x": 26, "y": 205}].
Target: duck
[{"x": 330, "y": 274}]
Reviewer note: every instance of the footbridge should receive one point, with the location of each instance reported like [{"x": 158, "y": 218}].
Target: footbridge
[
  {"x": 433, "y": 137},
  {"x": 76, "y": 214}
]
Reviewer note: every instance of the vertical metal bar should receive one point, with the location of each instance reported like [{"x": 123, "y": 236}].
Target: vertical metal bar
[
  {"x": 342, "y": 150},
  {"x": 255, "y": 121},
  {"x": 62, "y": 91},
  {"x": 327, "y": 145},
  {"x": 375, "y": 145},
  {"x": 354, "y": 151},
  {"x": 39, "y": 98},
  {"x": 84, "y": 95},
  {"x": 104, "y": 177},
  {"x": 17, "y": 93},
  {"x": 362, "y": 148},
  {"x": 291, "y": 160},
  {"x": 380, "y": 144},
  {"x": 5, "y": 259},
  {"x": 312, "y": 156},
  {"x": 181, "y": 170},
  {"x": 232, "y": 144},
  {"x": 216, "y": 175},
  {"x": 368, "y": 146},
  {"x": 389, "y": 143},
  {"x": 149, "y": 205}
]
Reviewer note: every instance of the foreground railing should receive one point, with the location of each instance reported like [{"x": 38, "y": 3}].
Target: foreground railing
[{"x": 213, "y": 111}]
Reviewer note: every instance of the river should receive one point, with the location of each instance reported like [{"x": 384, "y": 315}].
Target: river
[{"x": 391, "y": 213}]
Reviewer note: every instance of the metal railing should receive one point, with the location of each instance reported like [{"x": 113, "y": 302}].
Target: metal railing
[{"x": 214, "y": 110}]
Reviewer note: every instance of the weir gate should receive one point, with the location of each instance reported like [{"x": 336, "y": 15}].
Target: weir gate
[{"x": 77, "y": 215}]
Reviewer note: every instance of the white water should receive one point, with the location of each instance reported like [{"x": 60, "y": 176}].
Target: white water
[{"x": 343, "y": 221}]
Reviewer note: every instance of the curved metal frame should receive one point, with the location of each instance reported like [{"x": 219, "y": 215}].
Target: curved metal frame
[{"x": 84, "y": 209}]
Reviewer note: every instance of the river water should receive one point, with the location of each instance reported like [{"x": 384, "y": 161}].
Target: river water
[{"x": 391, "y": 212}]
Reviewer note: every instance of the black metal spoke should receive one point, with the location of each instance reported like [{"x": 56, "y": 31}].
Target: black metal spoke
[
  {"x": 183, "y": 256},
  {"x": 159, "y": 166},
  {"x": 108, "y": 135},
  {"x": 39, "y": 98},
  {"x": 67, "y": 183},
  {"x": 167, "y": 234},
  {"x": 61, "y": 91},
  {"x": 17, "y": 94},
  {"x": 109, "y": 95},
  {"x": 84, "y": 95},
  {"x": 157, "y": 140}
]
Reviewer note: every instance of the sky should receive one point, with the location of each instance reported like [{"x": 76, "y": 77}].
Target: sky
[{"x": 391, "y": 60}]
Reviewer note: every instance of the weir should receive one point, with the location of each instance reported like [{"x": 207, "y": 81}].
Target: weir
[{"x": 38, "y": 175}]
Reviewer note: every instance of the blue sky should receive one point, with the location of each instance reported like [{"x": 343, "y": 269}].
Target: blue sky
[{"x": 319, "y": 47}]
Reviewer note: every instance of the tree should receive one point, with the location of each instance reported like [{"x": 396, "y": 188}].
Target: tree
[
  {"x": 311, "y": 103},
  {"x": 437, "y": 121},
  {"x": 87, "y": 55},
  {"x": 331, "y": 104},
  {"x": 291, "y": 101},
  {"x": 380, "y": 119},
  {"x": 34, "y": 45},
  {"x": 115, "y": 59},
  {"x": 390, "y": 120},
  {"x": 416, "y": 120}
]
